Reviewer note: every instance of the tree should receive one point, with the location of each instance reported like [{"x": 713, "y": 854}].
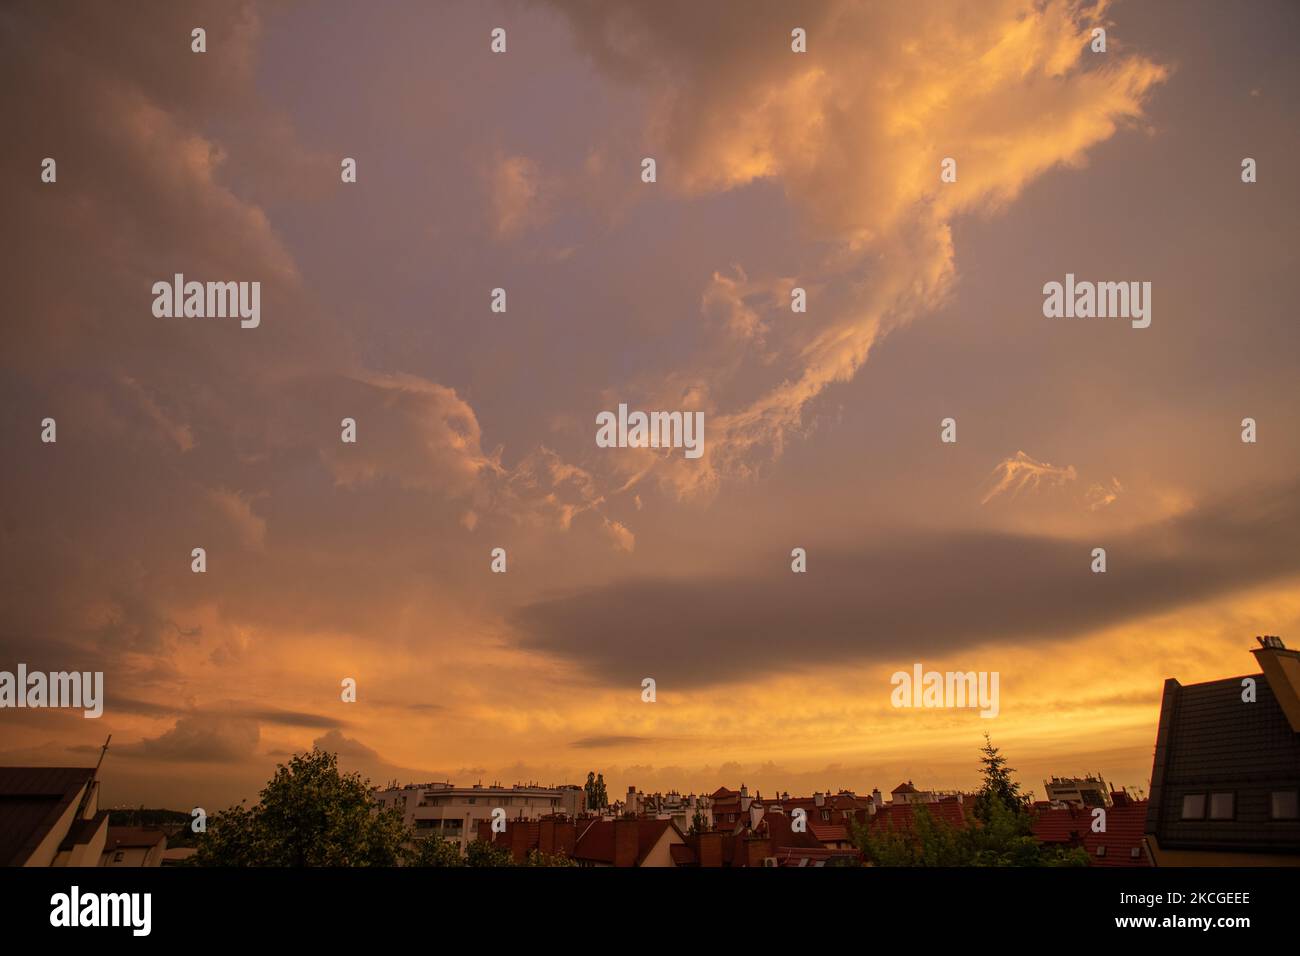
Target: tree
[
  {"x": 929, "y": 842},
  {"x": 698, "y": 824},
  {"x": 538, "y": 858},
  {"x": 998, "y": 785},
  {"x": 483, "y": 853},
  {"x": 433, "y": 850},
  {"x": 594, "y": 788},
  {"x": 309, "y": 814},
  {"x": 1001, "y": 833}
]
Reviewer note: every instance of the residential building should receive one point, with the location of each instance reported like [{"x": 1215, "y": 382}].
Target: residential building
[
  {"x": 907, "y": 793},
  {"x": 628, "y": 842},
  {"x": 1120, "y": 843},
  {"x": 1089, "y": 791},
  {"x": 134, "y": 846},
  {"x": 773, "y": 841},
  {"x": 1225, "y": 782},
  {"x": 455, "y": 813},
  {"x": 50, "y": 816}
]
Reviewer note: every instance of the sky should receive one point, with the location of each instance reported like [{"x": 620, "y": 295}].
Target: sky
[{"x": 476, "y": 429}]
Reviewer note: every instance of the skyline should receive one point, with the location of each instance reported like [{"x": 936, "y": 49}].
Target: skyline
[{"x": 478, "y": 429}]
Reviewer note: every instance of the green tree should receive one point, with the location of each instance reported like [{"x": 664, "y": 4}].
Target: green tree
[
  {"x": 1000, "y": 834},
  {"x": 309, "y": 814},
  {"x": 538, "y": 858},
  {"x": 594, "y": 788},
  {"x": 433, "y": 850},
  {"x": 698, "y": 824},
  {"x": 482, "y": 853},
  {"x": 998, "y": 785},
  {"x": 929, "y": 842}
]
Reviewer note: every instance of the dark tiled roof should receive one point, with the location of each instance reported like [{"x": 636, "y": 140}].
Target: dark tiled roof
[
  {"x": 31, "y": 801},
  {"x": 1209, "y": 740}
]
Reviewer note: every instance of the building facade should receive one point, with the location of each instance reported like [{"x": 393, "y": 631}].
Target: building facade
[{"x": 454, "y": 813}]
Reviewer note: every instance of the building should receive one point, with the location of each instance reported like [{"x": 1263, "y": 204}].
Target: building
[
  {"x": 628, "y": 842},
  {"x": 1086, "y": 791},
  {"x": 455, "y": 813},
  {"x": 134, "y": 846},
  {"x": 1121, "y": 843},
  {"x": 1225, "y": 782},
  {"x": 907, "y": 793},
  {"x": 50, "y": 816},
  {"x": 683, "y": 810},
  {"x": 555, "y": 835},
  {"x": 773, "y": 841}
]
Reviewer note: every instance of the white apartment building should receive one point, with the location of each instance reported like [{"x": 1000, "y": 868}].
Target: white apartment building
[{"x": 454, "y": 813}]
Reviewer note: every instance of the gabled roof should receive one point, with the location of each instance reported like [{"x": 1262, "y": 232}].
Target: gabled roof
[
  {"x": 829, "y": 832},
  {"x": 905, "y": 788},
  {"x": 32, "y": 799},
  {"x": 596, "y": 844}
]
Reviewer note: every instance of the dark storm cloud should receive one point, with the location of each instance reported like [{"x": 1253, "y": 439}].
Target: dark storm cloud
[{"x": 914, "y": 595}]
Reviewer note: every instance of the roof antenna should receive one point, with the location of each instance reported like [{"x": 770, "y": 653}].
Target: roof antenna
[{"x": 103, "y": 750}]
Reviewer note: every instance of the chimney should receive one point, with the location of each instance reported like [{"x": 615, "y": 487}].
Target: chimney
[
  {"x": 756, "y": 849},
  {"x": 1282, "y": 671},
  {"x": 626, "y": 842},
  {"x": 710, "y": 848},
  {"x": 518, "y": 834},
  {"x": 876, "y": 798},
  {"x": 819, "y": 799},
  {"x": 557, "y": 835},
  {"x": 546, "y": 836}
]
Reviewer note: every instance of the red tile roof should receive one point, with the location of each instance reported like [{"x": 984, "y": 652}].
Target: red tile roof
[
  {"x": 596, "y": 844},
  {"x": 1125, "y": 829},
  {"x": 830, "y": 832}
]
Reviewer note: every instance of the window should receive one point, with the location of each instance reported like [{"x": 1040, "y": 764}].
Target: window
[
  {"x": 826, "y": 814},
  {"x": 1101, "y": 850},
  {"x": 1286, "y": 805},
  {"x": 1194, "y": 806},
  {"x": 1221, "y": 805},
  {"x": 1134, "y": 853},
  {"x": 119, "y": 856}
]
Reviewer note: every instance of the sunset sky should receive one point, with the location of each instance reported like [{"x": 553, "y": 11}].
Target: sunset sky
[{"x": 476, "y": 429}]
